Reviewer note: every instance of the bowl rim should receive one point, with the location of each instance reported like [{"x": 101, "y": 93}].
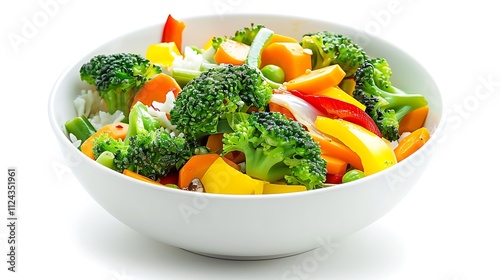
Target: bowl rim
[{"x": 59, "y": 131}]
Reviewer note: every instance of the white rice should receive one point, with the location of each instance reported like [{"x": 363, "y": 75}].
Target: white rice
[
  {"x": 191, "y": 60},
  {"x": 103, "y": 118},
  {"x": 90, "y": 105},
  {"x": 160, "y": 110}
]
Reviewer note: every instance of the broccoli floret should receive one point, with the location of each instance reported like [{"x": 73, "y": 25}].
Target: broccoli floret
[
  {"x": 385, "y": 103},
  {"x": 277, "y": 149},
  {"x": 148, "y": 148},
  {"x": 217, "y": 40},
  {"x": 156, "y": 153},
  {"x": 203, "y": 104},
  {"x": 245, "y": 35},
  {"x": 119, "y": 149},
  {"x": 330, "y": 48},
  {"x": 153, "y": 154},
  {"x": 118, "y": 77}
]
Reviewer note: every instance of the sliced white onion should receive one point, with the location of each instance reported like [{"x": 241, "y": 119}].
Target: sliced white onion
[{"x": 303, "y": 112}]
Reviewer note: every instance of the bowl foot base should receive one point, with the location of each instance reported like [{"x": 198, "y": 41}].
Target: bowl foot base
[{"x": 247, "y": 258}]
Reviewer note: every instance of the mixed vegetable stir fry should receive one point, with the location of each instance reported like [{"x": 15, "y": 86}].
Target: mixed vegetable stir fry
[{"x": 251, "y": 113}]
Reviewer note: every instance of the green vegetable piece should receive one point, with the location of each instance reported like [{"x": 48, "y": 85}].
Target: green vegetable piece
[
  {"x": 204, "y": 103},
  {"x": 273, "y": 73},
  {"x": 118, "y": 77},
  {"x": 80, "y": 127},
  {"x": 140, "y": 122},
  {"x": 277, "y": 149},
  {"x": 329, "y": 48},
  {"x": 244, "y": 35},
  {"x": 352, "y": 175},
  {"x": 259, "y": 43},
  {"x": 107, "y": 158},
  {"x": 184, "y": 76},
  {"x": 385, "y": 103}
]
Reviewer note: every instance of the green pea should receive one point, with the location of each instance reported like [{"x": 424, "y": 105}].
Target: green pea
[
  {"x": 273, "y": 73},
  {"x": 352, "y": 175}
]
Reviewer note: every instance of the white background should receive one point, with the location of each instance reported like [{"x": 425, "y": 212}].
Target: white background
[{"x": 447, "y": 228}]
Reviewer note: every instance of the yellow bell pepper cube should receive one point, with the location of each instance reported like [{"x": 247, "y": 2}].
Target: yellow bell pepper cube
[
  {"x": 374, "y": 152},
  {"x": 162, "y": 53},
  {"x": 221, "y": 178},
  {"x": 208, "y": 44},
  {"x": 280, "y": 188}
]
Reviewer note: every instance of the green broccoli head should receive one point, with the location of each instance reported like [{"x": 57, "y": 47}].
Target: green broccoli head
[
  {"x": 207, "y": 99},
  {"x": 330, "y": 48},
  {"x": 158, "y": 152},
  {"x": 385, "y": 103},
  {"x": 148, "y": 149},
  {"x": 244, "y": 35},
  {"x": 104, "y": 143},
  {"x": 118, "y": 77},
  {"x": 277, "y": 149}
]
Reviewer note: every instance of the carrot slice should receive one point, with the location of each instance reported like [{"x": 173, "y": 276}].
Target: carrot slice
[
  {"x": 413, "y": 120},
  {"x": 316, "y": 80},
  {"x": 273, "y": 107},
  {"x": 156, "y": 89},
  {"x": 140, "y": 177},
  {"x": 340, "y": 151},
  {"x": 411, "y": 143},
  {"x": 334, "y": 165},
  {"x": 114, "y": 130},
  {"x": 231, "y": 52}
]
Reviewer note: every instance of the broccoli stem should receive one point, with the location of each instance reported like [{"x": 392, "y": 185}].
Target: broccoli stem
[
  {"x": 403, "y": 103},
  {"x": 183, "y": 76},
  {"x": 80, "y": 127},
  {"x": 119, "y": 100},
  {"x": 268, "y": 166}
]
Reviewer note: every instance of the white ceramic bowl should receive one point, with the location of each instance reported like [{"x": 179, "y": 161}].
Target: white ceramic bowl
[{"x": 248, "y": 227}]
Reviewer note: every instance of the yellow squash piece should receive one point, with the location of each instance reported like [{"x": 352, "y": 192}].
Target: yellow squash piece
[
  {"x": 221, "y": 178},
  {"x": 374, "y": 152}
]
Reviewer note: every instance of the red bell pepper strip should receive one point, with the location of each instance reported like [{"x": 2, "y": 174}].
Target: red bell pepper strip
[
  {"x": 334, "y": 178},
  {"x": 172, "y": 32},
  {"x": 336, "y": 108}
]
